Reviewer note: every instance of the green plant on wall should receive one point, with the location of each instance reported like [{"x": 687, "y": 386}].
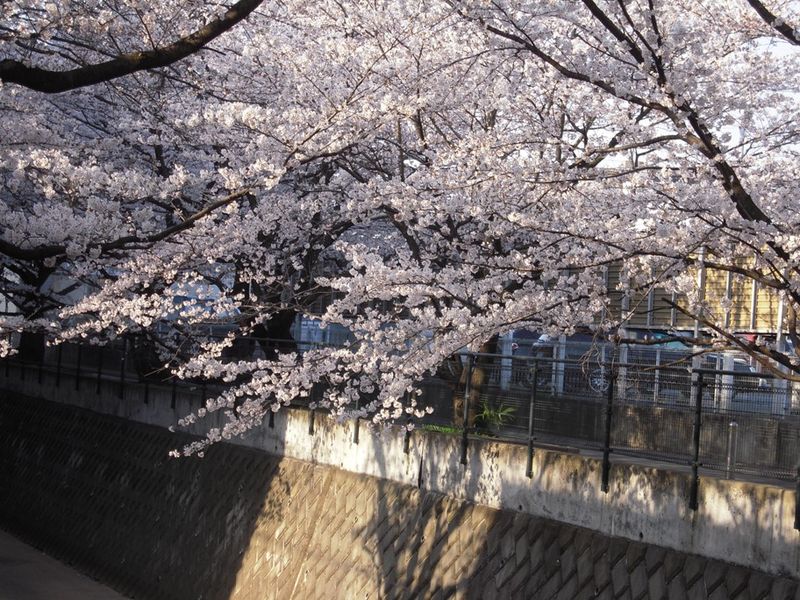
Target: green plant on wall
[
  {"x": 493, "y": 417},
  {"x": 448, "y": 429}
]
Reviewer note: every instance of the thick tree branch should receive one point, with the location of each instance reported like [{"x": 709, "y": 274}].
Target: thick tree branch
[
  {"x": 53, "y": 82},
  {"x": 612, "y": 28},
  {"x": 703, "y": 138},
  {"x": 775, "y": 22},
  {"x": 529, "y": 45}
]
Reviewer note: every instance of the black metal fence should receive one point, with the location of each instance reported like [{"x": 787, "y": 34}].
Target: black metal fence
[{"x": 736, "y": 424}]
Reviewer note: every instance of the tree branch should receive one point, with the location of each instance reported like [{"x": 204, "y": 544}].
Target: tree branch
[
  {"x": 53, "y": 82},
  {"x": 762, "y": 354},
  {"x": 42, "y": 252},
  {"x": 775, "y": 22},
  {"x": 612, "y": 28},
  {"x": 529, "y": 45}
]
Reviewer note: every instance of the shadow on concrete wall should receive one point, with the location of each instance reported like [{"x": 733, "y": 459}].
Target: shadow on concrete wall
[
  {"x": 429, "y": 545},
  {"x": 415, "y": 537}
]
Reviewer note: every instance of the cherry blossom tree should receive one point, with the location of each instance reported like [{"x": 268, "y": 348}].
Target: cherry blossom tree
[{"x": 446, "y": 171}]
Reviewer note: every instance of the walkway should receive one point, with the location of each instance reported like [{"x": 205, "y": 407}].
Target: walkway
[{"x": 27, "y": 574}]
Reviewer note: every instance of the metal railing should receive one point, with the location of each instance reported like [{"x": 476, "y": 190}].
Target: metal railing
[{"x": 653, "y": 410}]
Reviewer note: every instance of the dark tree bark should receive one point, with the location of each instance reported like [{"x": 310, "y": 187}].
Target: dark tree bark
[
  {"x": 479, "y": 377},
  {"x": 771, "y": 19},
  {"x": 275, "y": 336},
  {"x": 53, "y": 82}
]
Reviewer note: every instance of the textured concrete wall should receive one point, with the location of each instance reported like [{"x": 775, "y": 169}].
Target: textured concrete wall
[
  {"x": 742, "y": 523},
  {"x": 240, "y": 524}
]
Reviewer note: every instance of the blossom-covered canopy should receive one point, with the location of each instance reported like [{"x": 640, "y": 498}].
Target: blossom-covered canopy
[{"x": 444, "y": 171}]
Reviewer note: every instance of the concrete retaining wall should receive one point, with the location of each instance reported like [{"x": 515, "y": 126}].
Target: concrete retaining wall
[
  {"x": 743, "y": 523},
  {"x": 239, "y": 524}
]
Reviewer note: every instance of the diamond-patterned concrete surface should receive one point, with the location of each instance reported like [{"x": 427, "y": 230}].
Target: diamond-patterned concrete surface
[{"x": 100, "y": 492}]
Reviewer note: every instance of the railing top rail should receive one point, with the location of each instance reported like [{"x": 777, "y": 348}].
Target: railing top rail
[{"x": 707, "y": 371}]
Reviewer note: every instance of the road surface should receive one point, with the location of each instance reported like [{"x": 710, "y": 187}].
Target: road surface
[{"x": 28, "y": 574}]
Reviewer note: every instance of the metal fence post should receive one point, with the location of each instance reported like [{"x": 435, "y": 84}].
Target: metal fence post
[
  {"x": 607, "y": 438},
  {"x": 356, "y": 425},
  {"x": 465, "y": 423},
  {"x": 531, "y": 415},
  {"x": 311, "y": 415},
  {"x": 698, "y": 417},
  {"x": 122, "y": 367},
  {"x": 730, "y": 463},
  {"x": 21, "y": 365},
  {"x": 78, "y": 366},
  {"x": 407, "y": 437},
  {"x": 797, "y": 501},
  {"x": 173, "y": 400},
  {"x": 99, "y": 371},
  {"x": 58, "y": 364}
]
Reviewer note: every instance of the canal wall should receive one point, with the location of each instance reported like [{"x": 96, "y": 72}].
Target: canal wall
[
  {"x": 747, "y": 524},
  {"x": 99, "y": 491}
]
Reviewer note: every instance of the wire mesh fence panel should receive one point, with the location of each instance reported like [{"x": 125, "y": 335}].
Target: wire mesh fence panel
[
  {"x": 788, "y": 453},
  {"x": 574, "y": 408},
  {"x": 565, "y": 408},
  {"x": 747, "y": 428},
  {"x": 570, "y": 421},
  {"x": 436, "y": 394},
  {"x": 499, "y": 396},
  {"x": 757, "y": 396},
  {"x": 653, "y": 414},
  {"x": 758, "y": 445}
]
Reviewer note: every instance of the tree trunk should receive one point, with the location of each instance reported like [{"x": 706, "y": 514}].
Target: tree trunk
[
  {"x": 478, "y": 380},
  {"x": 275, "y": 336},
  {"x": 31, "y": 346}
]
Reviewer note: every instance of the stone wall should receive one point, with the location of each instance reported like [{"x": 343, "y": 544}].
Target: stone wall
[{"x": 99, "y": 491}]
